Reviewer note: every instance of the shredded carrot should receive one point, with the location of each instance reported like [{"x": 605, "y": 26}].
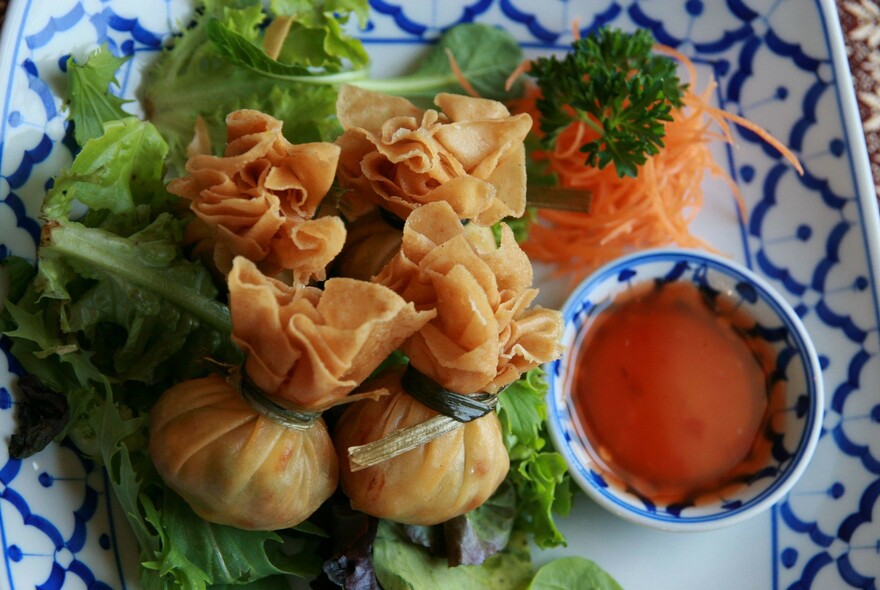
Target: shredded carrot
[
  {"x": 459, "y": 75},
  {"x": 653, "y": 208},
  {"x": 521, "y": 69}
]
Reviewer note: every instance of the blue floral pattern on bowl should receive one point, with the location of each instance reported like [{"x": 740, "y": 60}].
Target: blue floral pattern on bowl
[
  {"x": 815, "y": 237},
  {"x": 792, "y": 431}
]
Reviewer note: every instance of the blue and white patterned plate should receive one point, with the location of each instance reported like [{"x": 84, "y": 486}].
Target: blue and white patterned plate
[{"x": 780, "y": 63}]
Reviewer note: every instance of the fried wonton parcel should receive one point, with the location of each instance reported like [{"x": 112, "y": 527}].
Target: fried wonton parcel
[
  {"x": 310, "y": 346},
  {"x": 432, "y": 483},
  {"x": 469, "y": 154},
  {"x": 484, "y": 335},
  {"x": 370, "y": 242},
  {"x": 260, "y": 197},
  {"x": 235, "y": 466}
]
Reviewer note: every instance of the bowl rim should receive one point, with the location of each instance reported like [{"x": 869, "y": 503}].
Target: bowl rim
[{"x": 814, "y": 389}]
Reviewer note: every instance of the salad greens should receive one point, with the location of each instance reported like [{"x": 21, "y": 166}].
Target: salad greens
[
  {"x": 115, "y": 311},
  {"x": 218, "y": 65},
  {"x": 539, "y": 475},
  {"x": 91, "y": 102}
]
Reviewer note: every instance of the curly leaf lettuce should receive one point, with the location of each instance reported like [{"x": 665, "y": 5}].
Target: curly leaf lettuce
[
  {"x": 194, "y": 78},
  {"x": 539, "y": 475},
  {"x": 316, "y": 35},
  {"x": 91, "y": 101},
  {"x": 116, "y": 171}
]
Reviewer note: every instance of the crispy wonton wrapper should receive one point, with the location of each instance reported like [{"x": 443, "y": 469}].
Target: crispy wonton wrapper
[
  {"x": 484, "y": 335},
  {"x": 235, "y": 466},
  {"x": 397, "y": 156},
  {"x": 312, "y": 347},
  {"x": 259, "y": 199},
  {"x": 430, "y": 484},
  {"x": 370, "y": 243}
]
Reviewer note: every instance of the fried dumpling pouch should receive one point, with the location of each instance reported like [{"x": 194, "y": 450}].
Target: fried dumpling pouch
[
  {"x": 469, "y": 153},
  {"x": 235, "y": 466},
  {"x": 430, "y": 484},
  {"x": 260, "y": 198},
  {"x": 484, "y": 335},
  {"x": 370, "y": 242},
  {"x": 311, "y": 346}
]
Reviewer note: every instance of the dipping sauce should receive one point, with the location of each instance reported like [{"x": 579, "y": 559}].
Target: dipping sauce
[{"x": 671, "y": 393}]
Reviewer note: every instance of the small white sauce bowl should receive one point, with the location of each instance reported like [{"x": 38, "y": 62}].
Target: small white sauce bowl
[{"x": 801, "y": 414}]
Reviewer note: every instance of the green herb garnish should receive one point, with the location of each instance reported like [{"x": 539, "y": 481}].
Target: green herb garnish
[{"x": 615, "y": 84}]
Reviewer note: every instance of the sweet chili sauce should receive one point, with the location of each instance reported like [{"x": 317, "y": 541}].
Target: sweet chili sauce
[{"x": 672, "y": 391}]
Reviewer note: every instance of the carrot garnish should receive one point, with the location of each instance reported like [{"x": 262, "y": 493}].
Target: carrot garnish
[
  {"x": 652, "y": 208},
  {"x": 459, "y": 75}
]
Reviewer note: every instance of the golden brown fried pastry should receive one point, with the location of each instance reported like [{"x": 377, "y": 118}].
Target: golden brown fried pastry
[
  {"x": 260, "y": 197},
  {"x": 484, "y": 335},
  {"x": 313, "y": 346},
  {"x": 233, "y": 465},
  {"x": 470, "y": 154},
  {"x": 370, "y": 242},
  {"x": 430, "y": 484}
]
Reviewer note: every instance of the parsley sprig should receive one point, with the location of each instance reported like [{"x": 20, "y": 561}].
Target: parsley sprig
[{"x": 613, "y": 82}]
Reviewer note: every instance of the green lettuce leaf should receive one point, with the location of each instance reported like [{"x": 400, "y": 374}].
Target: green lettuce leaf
[
  {"x": 486, "y": 56},
  {"x": 317, "y": 35},
  {"x": 113, "y": 315},
  {"x": 400, "y": 565},
  {"x": 539, "y": 476},
  {"x": 572, "y": 573},
  {"x": 91, "y": 102},
  {"x": 115, "y": 171}
]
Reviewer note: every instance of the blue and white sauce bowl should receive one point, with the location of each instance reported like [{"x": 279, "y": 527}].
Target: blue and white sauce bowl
[{"x": 790, "y": 430}]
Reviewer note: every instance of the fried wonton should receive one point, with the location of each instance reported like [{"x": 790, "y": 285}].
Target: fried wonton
[
  {"x": 259, "y": 199},
  {"x": 430, "y": 484},
  {"x": 370, "y": 242},
  {"x": 235, "y": 466},
  {"x": 313, "y": 346},
  {"x": 469, "y": 154},
  {"x": 484, "y": 335}
]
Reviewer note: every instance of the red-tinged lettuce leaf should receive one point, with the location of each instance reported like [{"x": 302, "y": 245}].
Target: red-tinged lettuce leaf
[
  {"x": 473, "y": 537},
  {"x": 352, "y": 534},
  {"x": 44, "y": 412},
  {"x": 481, "y": 533}
]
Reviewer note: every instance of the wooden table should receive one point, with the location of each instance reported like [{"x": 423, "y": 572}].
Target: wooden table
[{"x": 861, "y": 27}]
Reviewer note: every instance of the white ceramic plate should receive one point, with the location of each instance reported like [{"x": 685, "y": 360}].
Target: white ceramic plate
[{"x": 780, "y": 63}]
